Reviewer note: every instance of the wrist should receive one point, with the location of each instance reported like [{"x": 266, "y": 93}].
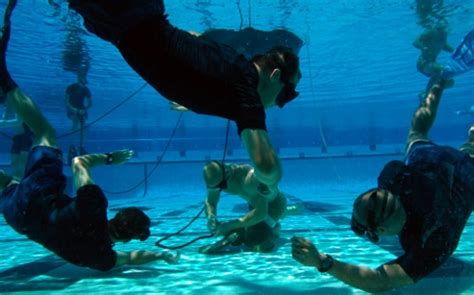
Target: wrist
[{"x": 326, "y": 263}]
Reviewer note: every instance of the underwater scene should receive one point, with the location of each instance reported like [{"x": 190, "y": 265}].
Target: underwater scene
[{"x": 237, "y": 147}]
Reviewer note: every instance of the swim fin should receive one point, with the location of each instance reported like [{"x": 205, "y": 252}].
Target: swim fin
[{"x": 462, "y": 59}]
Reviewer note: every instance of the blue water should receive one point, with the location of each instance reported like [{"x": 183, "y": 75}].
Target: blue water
[{"x": 359, "y": 90}]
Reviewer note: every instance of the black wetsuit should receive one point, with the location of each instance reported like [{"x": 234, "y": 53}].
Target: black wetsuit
[
  {"x": 204, "y": 76},
  {"x": 77, "y": 94},
  {"x": 76, "y": 229},
  {"x": 436, "y": 189}
]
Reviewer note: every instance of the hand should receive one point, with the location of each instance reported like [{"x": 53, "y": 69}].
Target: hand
[
  {"x": 224, "y": 228},
  {"x": 212, "y": 223},
  {"x": 81, "y": 112},
  {"x": 305, "y": 252},
  {"x": 171, "y": 258},
  {"x": 121, "y": 156}
]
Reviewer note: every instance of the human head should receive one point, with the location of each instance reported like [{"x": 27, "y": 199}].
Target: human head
[
  {"x": 377, "y": 212},
  {"x": 282, "y": 65},
  {"x": 128, "y": 224}
]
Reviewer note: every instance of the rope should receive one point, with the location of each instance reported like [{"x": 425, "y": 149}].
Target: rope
[
  {"x": 158, "y": 162},
  {"x": 159, "y": 242},
  {"x": 106, "y": 113}
]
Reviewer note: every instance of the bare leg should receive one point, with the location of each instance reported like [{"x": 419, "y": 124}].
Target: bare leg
[
  {"x": 425, "y": 115},
  {"x": 468, "y": 146},
  {"x": 27, "y": 111}
]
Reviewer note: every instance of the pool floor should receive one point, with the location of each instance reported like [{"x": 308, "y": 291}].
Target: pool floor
[{"x": 27, "y": 267}]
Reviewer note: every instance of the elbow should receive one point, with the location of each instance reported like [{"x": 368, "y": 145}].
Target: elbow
[{"x": 268, "y": 170}]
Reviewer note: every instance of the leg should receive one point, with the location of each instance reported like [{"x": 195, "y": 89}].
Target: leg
[
  {"x": 425, "y": 115},
  {"x": 27, "y": 111},
  {"x": 19, "y": 102},
  {"x": 468, "y": 146}
]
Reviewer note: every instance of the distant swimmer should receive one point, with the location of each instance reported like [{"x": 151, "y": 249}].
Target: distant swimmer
[
  {"x": 74, "y": 228},
  {"x": 425, "y": 200},
  {"x": 203, "y": 76}
]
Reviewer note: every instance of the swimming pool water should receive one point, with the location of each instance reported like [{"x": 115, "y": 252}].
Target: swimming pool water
[{"x": 27, "y": 267}]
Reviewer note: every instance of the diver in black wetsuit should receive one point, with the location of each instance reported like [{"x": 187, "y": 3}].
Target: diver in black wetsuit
[
  {"x": 201, "y": 75},
  {"x": 425, "y": 200},
  {"x": 77, "y": 228}
]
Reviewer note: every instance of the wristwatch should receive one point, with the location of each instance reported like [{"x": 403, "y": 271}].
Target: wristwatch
[
  {"x": 326, "y": 263},
  {"x": 109, "y": 158}
]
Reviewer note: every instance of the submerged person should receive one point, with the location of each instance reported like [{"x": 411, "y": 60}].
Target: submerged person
[
  {"x": 203, "y": 76},
  {"x": 78, "y": 100},
  {"x": 431, "y": 42},
  {"x": 425, "y": 200},
  {"x": 76, "y": 229},
  {"x": 260, "y": 227}
]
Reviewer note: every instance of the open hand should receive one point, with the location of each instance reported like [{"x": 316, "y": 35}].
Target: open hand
[
  {"x": 121, "y": 156},
  {"x": 305, "y": 252}
]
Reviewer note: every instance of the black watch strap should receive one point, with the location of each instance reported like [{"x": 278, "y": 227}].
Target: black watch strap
[
  {"x": 326, "y": 263},
  {"x": 109, "y": 158}
]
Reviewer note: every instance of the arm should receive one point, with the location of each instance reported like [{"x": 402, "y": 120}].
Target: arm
[
  {"x": 254, "y": 216},
  {"x": 383, "y": 278},
  {"x": 425, "y": 115},
  {"x": 141, "y": 257},
  {"x": 81, "y": 165},
  {"x": 265, "y": 161},
  {"x": 88, "y": 101},
  {"x": 69, "y": 105}
]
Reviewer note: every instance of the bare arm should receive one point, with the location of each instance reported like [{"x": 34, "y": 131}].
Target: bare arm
[
  {"x": 142, "y": 257},
  {"x": 213, "y": 196},
  {"x": 425, "y": 115},
  {"x": 385, "y": 277},
  {"x": 81, "y": 165},
  {"x": 254, "y": 216},
  {"x": 265, "y": 160}
]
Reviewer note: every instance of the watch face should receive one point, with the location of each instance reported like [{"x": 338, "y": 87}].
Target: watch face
[{"x": 326, "y": 264}]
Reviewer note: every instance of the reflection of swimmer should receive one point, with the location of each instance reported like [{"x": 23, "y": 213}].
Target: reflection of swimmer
[
  {"x": 203, "y": 76},
  {"x": 260, "y": 227},
  {"x": 431, "y": 43},
  {"x": 76, "y": 229}
]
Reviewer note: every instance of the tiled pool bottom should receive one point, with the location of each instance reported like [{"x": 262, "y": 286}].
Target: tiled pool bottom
[{"x": 27, "y": 267}]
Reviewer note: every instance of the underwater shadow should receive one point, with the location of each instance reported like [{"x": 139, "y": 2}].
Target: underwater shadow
[
  {"x": 60, "y": 275},
  {"x": 254, "y": 288}
]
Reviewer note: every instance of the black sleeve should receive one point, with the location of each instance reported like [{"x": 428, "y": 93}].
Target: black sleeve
[
  {"x": 103, "y": 259},
  {"x": 251, "y": 118},
  {"x": 424, "y": 259}
]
